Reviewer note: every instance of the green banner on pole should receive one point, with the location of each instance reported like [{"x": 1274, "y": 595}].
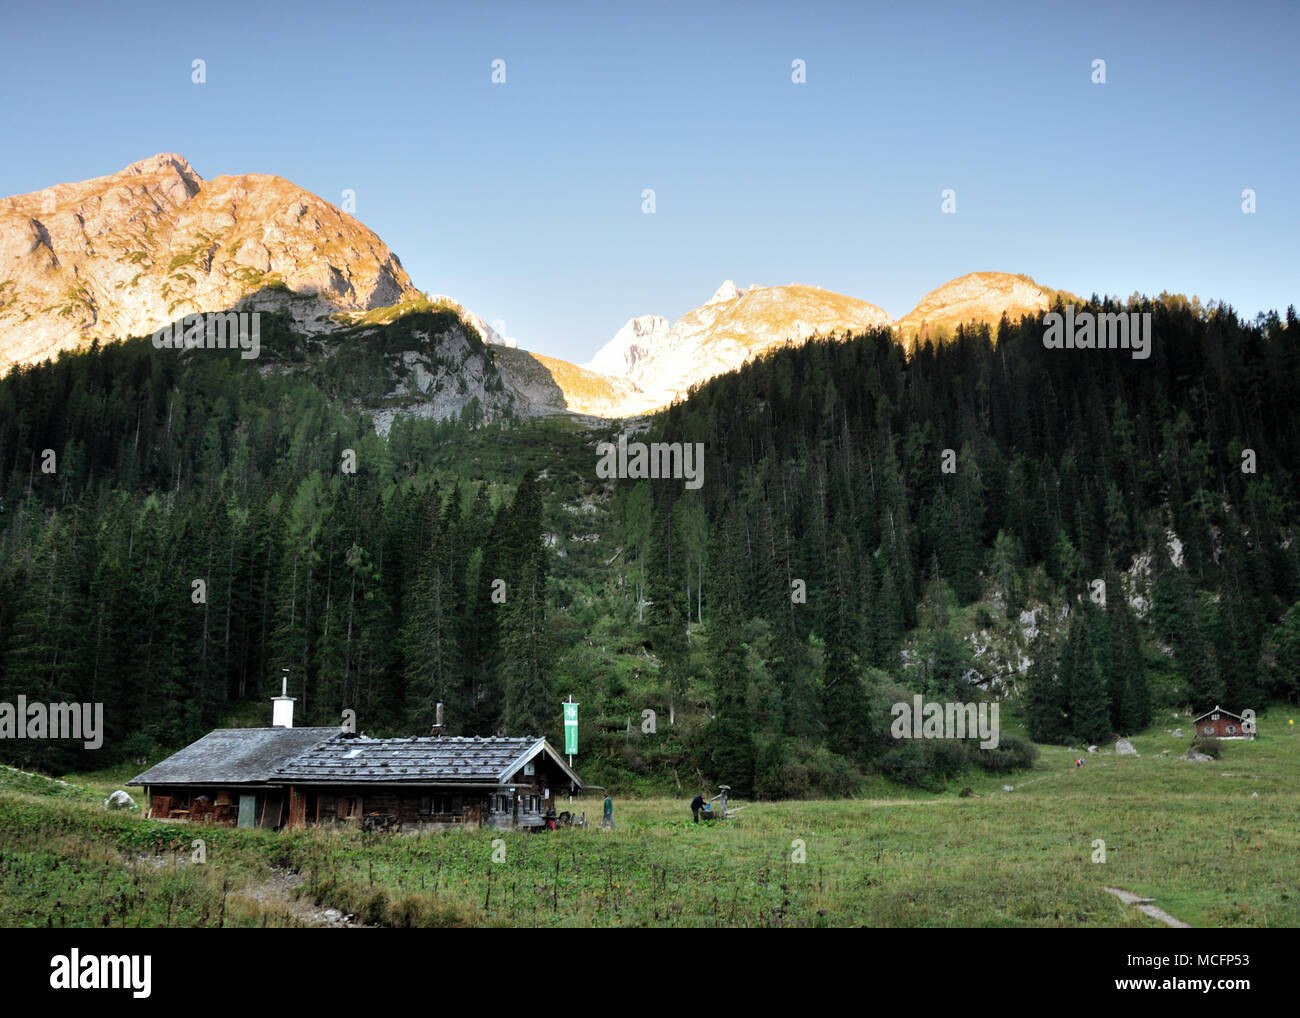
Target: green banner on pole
[{"x": 570, "y": 727}]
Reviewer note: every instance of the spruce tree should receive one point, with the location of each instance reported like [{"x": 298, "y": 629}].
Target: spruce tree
[
  {"x": 1089, "y": 706},
  {"x": 843, "y": 696},
  {"x": 527, "y": 659},
  {"x": 731, "y": 734},
  {"x": 1046, "y": 701}
]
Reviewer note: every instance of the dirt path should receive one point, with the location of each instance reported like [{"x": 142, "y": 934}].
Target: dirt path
[{"x": 1144, "y": 905}]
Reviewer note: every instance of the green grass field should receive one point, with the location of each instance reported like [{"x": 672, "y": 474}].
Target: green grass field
[{"x": 1189, "y": 835}]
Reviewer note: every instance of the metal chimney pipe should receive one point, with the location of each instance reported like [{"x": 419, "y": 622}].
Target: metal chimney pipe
[{"x": 282, "y": 705}]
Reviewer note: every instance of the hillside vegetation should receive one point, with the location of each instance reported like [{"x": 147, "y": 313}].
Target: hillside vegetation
[{"x": 869, "y": 526}]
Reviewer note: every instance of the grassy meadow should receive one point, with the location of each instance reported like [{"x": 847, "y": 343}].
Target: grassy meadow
[{"x": 1192, "y": 836}]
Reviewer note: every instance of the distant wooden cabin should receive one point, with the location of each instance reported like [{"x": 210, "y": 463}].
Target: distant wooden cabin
[
  {"x": 285, "y": 776},
  {"x": 1223, "y": 724}
]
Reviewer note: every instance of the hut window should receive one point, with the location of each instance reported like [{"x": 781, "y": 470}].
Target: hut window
[
  {"x": 431, "y": 804},
  {"x": 1230, "y": 729},
  {"x": 1214, "y": 717},
  {"x": 528, "y": 768}
]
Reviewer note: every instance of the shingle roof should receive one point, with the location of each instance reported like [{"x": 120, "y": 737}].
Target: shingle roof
[
  {"x": 283, "y": 755},
  {"x": 444, "y": 758},
  {"x": 234, "y": 756}
]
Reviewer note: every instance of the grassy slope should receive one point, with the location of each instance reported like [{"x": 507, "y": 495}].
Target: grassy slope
[{"x": 1189, "y": 835}]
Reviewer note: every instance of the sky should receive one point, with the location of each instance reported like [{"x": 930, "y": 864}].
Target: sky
[{"x": 524, "y": 199}]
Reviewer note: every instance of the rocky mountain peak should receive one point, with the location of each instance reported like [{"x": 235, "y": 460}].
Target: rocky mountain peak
[
  {"x": 727, "y": 291},
  {"x": 125, "y": 254},
  {"x": 663, "y": 361},
  {"x": 976, "y": 296}
]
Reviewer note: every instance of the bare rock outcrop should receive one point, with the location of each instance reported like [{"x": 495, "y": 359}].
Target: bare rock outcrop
[{"x": 126, "y": 254}]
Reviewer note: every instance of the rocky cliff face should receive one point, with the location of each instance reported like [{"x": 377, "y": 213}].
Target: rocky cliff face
[
  {"x": 623, "y": 355},
  {"x": 126, "y": 254},
  {"x": 436, "y": 368}
]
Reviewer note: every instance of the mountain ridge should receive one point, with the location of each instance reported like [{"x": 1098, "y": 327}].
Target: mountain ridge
[{"x": 132, "y": 251}]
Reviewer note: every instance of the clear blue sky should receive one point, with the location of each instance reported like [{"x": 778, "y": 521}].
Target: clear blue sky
[{"x": 523, "y": 200}]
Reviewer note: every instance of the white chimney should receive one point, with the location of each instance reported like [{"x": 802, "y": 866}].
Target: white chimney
[{"x": 282, "y": 707}]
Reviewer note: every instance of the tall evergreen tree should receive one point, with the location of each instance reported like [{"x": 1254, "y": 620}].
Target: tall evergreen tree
[
  {"x": 1089, "y": 705},
  {"x": 1046, "y": 698},
  {"x": 731, "y": 733}
]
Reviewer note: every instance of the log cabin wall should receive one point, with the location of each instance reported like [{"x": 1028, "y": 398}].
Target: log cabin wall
[{"x": 430, "y": 808}]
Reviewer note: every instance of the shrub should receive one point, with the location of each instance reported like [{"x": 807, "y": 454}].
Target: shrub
[
  {"x": 909, "y": 764},
  {"x": 793, "y": 769},
  {"x": 1012, "y": 753},
  {"x": 947, "y": 757}
]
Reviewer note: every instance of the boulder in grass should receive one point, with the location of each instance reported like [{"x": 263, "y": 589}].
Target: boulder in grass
[
  {"x": 1125, "y": 748},
  {"x": 120, "y": 800},
  {"x": 1195, "y": 757}
]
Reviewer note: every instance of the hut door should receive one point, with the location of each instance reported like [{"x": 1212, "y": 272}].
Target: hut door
[
  {"x": 247, "y": 809},
  {"x": 271, "y": 810}
]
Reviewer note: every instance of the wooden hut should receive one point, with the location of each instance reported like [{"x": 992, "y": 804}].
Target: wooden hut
[
  {"x": 1224, "y": 724},
  {"x": 286, "y": 776}
]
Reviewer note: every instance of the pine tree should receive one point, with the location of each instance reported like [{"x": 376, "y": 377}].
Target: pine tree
[
  {"x": 1006, "y": 574},
  {"x": 1193, "y": 650},
  {"x": 431, "y": 647},
  {"x": 667, "y": 627},
  {"x": 1125, "y": 680},
  {"x": 843, "y": 696},
  {"x": 888, "y": 623},
  {"x": 948, "y": 668},
  {"x": 1046, "y": 699},
  {"x": 527, "y": 661},
  {"x": 731, "y": 733},
  {"x": 1089, "y": 706}
]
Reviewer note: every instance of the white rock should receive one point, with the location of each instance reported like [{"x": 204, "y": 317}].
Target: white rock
[
  {"x": 120, "y": 800},
  {"x": 1175, "y": 547},
  {"x": 632, "y": 343},
  {"x": 727, "y": 291},
  {"x": 1125, "y": 748}
]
